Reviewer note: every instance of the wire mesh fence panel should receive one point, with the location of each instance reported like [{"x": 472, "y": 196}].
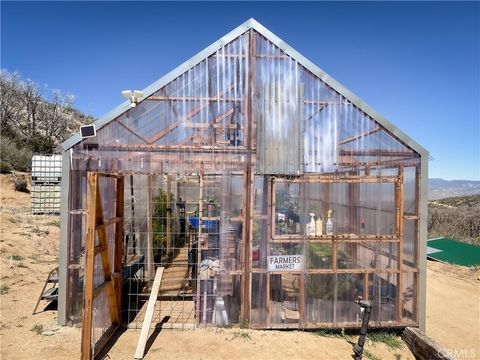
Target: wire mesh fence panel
[{"x": 191, "y": 225}]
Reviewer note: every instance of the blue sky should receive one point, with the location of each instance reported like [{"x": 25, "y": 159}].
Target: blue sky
[{"x": 417, "y": 63}]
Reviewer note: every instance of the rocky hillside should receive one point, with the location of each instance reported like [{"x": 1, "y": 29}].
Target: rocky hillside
[{"x": 440, "y": 188}]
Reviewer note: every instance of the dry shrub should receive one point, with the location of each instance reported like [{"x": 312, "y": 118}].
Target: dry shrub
[
  {"x": 14, "y": 157},
  {"x": 459, "y": 223}
]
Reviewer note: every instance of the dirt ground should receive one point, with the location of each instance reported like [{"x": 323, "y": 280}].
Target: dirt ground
[
  {"x": 453, "y": 308},
  {"x": 28, "y": 251}
]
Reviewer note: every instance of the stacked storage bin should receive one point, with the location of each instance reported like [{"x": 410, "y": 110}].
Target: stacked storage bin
[{"x": 46, "y": 181}]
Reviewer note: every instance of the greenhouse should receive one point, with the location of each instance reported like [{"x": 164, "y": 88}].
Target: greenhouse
[{"x": 269, "y": 194}]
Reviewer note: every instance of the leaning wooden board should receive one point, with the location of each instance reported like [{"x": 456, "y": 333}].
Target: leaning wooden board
[{"x": 142, "y": 340}]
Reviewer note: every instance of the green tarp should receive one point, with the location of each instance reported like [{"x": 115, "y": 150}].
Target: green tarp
[{"x": 453, "y": 252}]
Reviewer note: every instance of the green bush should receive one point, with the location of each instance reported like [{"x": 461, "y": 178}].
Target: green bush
[{"x": 159, "y": 223}]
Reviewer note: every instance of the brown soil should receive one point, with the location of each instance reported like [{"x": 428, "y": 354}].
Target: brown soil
[
  {"x": 28, "y": 251},
  {"x": 453, "y": 308}
]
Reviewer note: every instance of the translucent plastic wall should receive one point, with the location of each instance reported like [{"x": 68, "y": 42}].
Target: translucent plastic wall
[
  {"x": 360, "y": 257},
  {"x": 274, "y": 144},
  {"x": 180, "y": 125},
  {"x": 306, "y": 126}
]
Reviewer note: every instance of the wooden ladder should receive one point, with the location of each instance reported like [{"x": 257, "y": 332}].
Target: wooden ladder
[{"x": 52, "y": 293}]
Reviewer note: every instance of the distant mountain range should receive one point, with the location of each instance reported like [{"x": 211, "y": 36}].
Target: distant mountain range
[{"x": 440, "y": 188}]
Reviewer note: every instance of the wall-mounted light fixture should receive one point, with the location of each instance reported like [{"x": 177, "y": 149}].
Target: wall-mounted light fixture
[{"x": 134, "y": 96}]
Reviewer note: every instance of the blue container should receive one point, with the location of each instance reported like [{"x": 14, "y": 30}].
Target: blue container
[{"x": 206, "y": 224}]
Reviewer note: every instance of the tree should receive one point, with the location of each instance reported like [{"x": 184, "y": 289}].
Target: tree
[
  {"x": 10, "y": 102},
  {"x": 34, "y": 119}
]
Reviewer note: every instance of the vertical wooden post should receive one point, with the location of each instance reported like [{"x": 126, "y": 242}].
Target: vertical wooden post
[
  {"x": 117, "y": 264},
  {"x": 169, "y": 215},
  {"x": 303, "y": 195},
  {"x": 353, "y": 190},
  {"x": 247, "y": 233},
  {"x": 365, "y": 286},
  {"x": 270, "y": 233},
  {"x": 247, "y": 124},
  {"x": 86, "y": 347},
  {"x": 302, "y": 298},
  {"x": 251, "y": 145},
  {"x": 248, "y": 175},
  {"x": 150, "y": 265},
  {"x": 249, "y": 242},
  {"x": 247, "y": 106},
  {"x": 199, "y": 248},
  {"x": 242, "y": 250},
  {"x": 399, "y": 203}
]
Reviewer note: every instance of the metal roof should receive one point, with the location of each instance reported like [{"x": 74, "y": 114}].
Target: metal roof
[{"x": 253, "y": 24}]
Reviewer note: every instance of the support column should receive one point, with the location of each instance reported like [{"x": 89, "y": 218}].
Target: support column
[
  {"x": 399, "y": 228},
  {"x": 422, "y": 243},
  {"x": 63, "y": 246}
]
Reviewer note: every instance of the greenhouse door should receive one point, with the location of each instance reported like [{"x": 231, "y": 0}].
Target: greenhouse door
[{"x": 103, "y": 261}]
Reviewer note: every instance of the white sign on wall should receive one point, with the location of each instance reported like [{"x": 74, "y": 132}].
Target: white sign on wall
[{"x": 285, "y": 263}]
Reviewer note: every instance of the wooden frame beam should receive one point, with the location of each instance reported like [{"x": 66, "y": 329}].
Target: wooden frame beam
[
  {"x": 134, "y": 132},
  {"x": 187, "y": 117},
  {"x": 375, "y": 152},
  {"x": 359, "y": 136},
  {"x": 337, "y": 178},
  {"x": 191, "y": 99},
  {"x": 88, "y": 296},
  {"x": 321, "y": 107}
]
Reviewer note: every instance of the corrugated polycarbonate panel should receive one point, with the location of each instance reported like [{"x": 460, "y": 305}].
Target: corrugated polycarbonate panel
[
  {"x": 279, "y": 129},
  {"x": 203, "y": 106},
  {"x": 319, "y": 302},
  {"x": 383, "y": 294},
  {"x": 258, "y": 306},
  {"x": 335, "y": 132},
  {"x": 410, "y": 295},
  {"x": 278, "y": 112}
]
